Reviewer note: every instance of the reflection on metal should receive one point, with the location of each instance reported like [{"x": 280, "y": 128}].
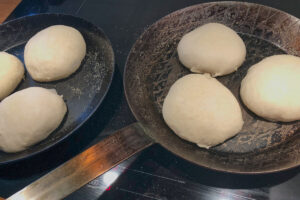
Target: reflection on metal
[
  {"x": 110, "y": 177},
  {"x": 86, "y": 166}
]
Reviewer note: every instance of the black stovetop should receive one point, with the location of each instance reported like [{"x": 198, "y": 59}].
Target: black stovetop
[{"x": 154, "y": 173}]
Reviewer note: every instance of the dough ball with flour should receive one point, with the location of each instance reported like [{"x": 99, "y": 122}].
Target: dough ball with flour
[
  {"x": 212, "y": 48},
  {"x": 271, "y": 88},
  {"x": 199, "y": 109},
  {"x": 29, "y": 116},
  {"x": 11, "y": 73},
  {"x": 54, "y": 53}
]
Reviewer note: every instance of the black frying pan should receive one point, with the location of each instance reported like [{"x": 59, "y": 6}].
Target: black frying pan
[
  {"x": 83, "y": 91},
  {"x": 153, "y": 66}
]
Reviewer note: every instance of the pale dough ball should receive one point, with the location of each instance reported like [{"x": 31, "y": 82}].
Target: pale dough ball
[
  {"x": 54, "y": 53},
  {"x": 271, "y": 88},
  {"x": 29, "y": 116},
  {"x": 199, "y": 109},
  {"x": 11, "y": 73},
  {"x": 212, "y": 48}
]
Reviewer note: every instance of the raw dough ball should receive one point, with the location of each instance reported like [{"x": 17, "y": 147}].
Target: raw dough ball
[
  {"x": 54, "y": 53},
  {"x": 271, "y": 88},
  {"x": 11, "y": 73},
  {"x": 199, "y": 109},
  {"x": 212, "y": 48},
  {"x": 29, "y": 116}
]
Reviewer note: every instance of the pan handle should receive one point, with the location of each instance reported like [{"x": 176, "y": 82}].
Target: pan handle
[{"x": 86, "y": 166}]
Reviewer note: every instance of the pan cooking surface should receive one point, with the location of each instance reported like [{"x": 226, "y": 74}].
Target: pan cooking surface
[
  {"x": 83, "y": 91},
  {"x": 153, "y": 66},
  {"x": 257, "y": 133}
]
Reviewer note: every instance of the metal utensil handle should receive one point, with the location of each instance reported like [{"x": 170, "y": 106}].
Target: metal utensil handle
[{"x": 86, "y": 166}]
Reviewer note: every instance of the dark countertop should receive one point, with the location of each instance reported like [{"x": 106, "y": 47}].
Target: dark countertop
[{"x": 155, "y": 173}]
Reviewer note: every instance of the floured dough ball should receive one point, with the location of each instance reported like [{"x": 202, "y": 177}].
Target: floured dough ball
[
  {"x": 54, "y": 53},
  {"x": 199, "y": 109},
  {"x": 212, "y": 48},
  {"x": 271, "y": 88},
  {"x": 11, "y": 73},
  {"x": 29, "y": 116}
]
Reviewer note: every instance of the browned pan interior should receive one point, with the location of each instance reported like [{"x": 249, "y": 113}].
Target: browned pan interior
[{"x": 153, "y": 66}]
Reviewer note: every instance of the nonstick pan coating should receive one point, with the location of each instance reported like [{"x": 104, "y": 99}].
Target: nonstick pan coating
[
  {"x": 83, "y": 91},
  {"x": 153, "y": 66}
]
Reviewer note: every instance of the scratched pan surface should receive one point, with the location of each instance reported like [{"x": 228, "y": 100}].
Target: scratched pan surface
[
  {"x": 153, "y": 66},
  {"x": 83, "y": 91}
]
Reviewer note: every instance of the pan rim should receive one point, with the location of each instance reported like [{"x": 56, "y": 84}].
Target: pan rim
[
  {"x": 110, "y": 77},
  {"x": 131, "y": 105}
]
